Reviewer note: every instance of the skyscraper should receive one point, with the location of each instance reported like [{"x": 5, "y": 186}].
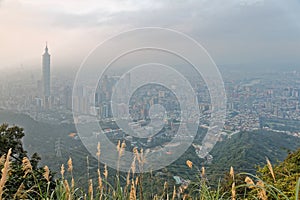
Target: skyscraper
[{"x": 46, "y": 73}]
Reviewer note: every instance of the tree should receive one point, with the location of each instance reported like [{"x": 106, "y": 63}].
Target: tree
[
  {"x": 31, "y": 184},
  {"x": 282, "y": 176},
  {"x": 286, "y": 174},
  {"x": 11, "y": 137}
]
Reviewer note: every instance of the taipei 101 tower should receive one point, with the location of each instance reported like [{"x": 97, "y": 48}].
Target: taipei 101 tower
[{"x": 46, "y": 73}]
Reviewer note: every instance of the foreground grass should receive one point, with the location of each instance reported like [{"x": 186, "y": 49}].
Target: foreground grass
[{"x": 237, "y": 186}]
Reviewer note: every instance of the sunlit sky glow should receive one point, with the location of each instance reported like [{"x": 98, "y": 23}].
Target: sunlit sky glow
[{"x": 234, "y": 32}]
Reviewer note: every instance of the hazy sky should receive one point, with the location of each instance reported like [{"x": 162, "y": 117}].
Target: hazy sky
[{"x": 248, "y": 32}]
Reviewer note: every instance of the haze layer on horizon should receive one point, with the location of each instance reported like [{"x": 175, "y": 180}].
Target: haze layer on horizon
[{"x": 252, "y": 32}]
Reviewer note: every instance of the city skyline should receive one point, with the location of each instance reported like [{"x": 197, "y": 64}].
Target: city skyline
[{"x": 172, "y": 94}]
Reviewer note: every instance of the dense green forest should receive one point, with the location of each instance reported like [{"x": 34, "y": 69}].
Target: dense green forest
[{"x": 244, "y": 151}]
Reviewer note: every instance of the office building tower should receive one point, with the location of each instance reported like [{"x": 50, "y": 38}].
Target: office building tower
[{"x": 46, "y": 73}]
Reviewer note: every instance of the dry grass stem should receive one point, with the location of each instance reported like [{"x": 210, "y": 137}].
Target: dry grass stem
[
  {"x": 262, "y": 191},
  {"x": 118, "y": 146},
  {"x": 62, "y": 171},
  {"x": 88, "y": 167},
  {"x": 105, "y": 173},
  {"x": 91, "y": 191},
  {"x": 271, "y": 169},
  {"x": 70, "y": 165},
  {"x": 143, "y": 158},
  {"x": 20, "y": 194},
  {"x": 98, "y": 150},
  {"x": 26, "y": 166},
  {"x": 2, "y": 160},
  {"x": 137, "y": 155},
  {"x": 203, "y": 172},
  {"x": 133, "y": 165},
  {"x": 100, "y": 184},
  {"x": 5, "y": 173},
  {"x": 249, "y": 182},
  {"x": 122, "y": 149},
  {"x": 231, "y": 173},
  {"x": 189, "y": 164},
  {"x": 46, "y": 173},
  {"x": 132, "y": 195},
  {"x": 72, "y": 185},
  {"x": 128, "y": 179},
  {"x": 174, "y": 193},
  {"x": 233, "y": 191},
  {"x": 165, "y": 185},
  {"x": 67, "y": 188},
  {"x": 185, "y": 197}
]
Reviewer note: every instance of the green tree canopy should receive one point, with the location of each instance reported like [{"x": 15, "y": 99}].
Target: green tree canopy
[{"x": 32, "y": 184}]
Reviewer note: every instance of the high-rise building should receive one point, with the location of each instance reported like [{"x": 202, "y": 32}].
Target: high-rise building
[{"x": 46, "y": 73}]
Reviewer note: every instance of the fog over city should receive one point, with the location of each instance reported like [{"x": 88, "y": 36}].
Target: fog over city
[
  {"x": 236, "y": 33},
  {"x": 149, "y": 96}
]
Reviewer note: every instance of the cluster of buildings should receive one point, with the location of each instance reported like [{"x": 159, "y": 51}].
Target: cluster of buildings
[
  {"x": 270, "y": 96},
  {"x": 250, "y": 101}
]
